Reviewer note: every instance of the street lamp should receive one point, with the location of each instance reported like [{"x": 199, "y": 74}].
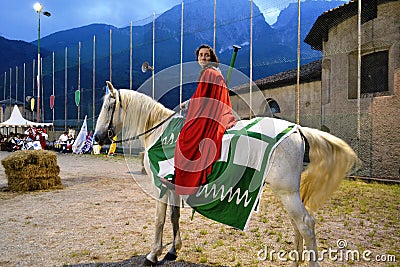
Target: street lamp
[{"x": 39, "y": 9}]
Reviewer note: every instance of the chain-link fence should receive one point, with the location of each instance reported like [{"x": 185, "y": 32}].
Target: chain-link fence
[{"x": 331, "y": 96}]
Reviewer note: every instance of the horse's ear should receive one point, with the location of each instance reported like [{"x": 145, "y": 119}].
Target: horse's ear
[{"x": 111, "y": 88}]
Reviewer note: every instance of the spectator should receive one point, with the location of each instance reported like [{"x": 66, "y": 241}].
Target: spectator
[
  {"x": 70, "y": 142},
  {"x": 61, "y": 143},
  {"x": 71, "y": 131},
  {"x": 17, "y": 142}
]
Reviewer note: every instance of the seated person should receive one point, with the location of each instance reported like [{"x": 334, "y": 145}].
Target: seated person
[
  {"x": 61, "y": 143},
  {"x": 17, "y": 142},
  {"x": 70, "y": 142},
  {"x": 3, "y": 142}
]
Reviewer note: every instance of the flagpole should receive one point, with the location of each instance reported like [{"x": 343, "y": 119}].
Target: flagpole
[
  {"x": 215, "y": 26},
  {"x": 10, "y": 89},
  {"x": 359, "y": 14},
  {"x": 41, "y": 90},
  {"x": 16, "y": 83},
  {"x": 5, "y": 85},
  {"x": 251, "y": 60},
  {"x": 65, "y": 88},
  {"x": 152, "y": 73},
  {"x": 94, "y": 82},
  {"x": 38, "y": 74},
  {"x": 24, "y": 88},
  {"x": 110, "y": 55},
  {"x": 32, "y": 102},
  {"x": 130, "y": 55},
  {"x": 181, "y": 60},
  {"x": 298, "y": 66},
  {"x": 53, "y": 91},
  {"x": 4, "y": 94},
  {"x": 79, "y": 80}
]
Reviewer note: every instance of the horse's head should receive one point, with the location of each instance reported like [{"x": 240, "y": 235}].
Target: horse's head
[{"x": 109, "y": 123}]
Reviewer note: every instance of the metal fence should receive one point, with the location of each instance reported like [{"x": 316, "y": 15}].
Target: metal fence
[{"x": 168, "y": 39}]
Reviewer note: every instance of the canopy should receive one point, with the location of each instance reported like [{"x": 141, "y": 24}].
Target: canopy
[{"x": 16, "y": 119}]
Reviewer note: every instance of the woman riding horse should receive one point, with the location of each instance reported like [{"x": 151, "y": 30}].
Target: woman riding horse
[{"x": 209, "y": 115}]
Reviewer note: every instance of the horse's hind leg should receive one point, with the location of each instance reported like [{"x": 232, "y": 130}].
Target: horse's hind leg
[
  {"x": 161, "y": 209},
  {"x": 284, "y": 179},
  {"x": 298, "y": 242},
  {"x": 175, "y": 214},
  {"x": 304, "y": 225}
]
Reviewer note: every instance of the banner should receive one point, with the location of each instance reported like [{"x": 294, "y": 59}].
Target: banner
[
  {"x": 235, "y": 185},
  {"x": 77, "y": 97},
  {"x": 52, "y": 97},
  {"x": 32, "y": 104},
  {"x": 81, "y": 138}
]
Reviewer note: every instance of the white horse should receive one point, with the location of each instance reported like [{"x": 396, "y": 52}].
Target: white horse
[{"x": 301, "y": 192}]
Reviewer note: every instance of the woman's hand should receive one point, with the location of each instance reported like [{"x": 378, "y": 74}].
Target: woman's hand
[{"x": 185, "y": 105}]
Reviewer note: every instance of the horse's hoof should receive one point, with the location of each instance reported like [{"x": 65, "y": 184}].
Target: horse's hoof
[
  {"x": 169, "y": 257},
  {"x": 149, "y": 263}
]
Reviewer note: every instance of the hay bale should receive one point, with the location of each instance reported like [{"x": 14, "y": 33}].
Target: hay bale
[{"x": 30, "y": 170}]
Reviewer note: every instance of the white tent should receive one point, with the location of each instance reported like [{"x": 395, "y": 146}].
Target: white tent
[{"x": 16, "y": 120}]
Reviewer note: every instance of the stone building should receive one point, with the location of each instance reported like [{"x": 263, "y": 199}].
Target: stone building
[{"x": 329, "y": 88}]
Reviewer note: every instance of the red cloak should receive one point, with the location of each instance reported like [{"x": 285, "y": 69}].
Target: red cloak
[{"x": 200, "y": 140}]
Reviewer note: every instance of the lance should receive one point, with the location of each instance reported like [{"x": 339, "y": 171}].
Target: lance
[{"x": 235, "y": 50}]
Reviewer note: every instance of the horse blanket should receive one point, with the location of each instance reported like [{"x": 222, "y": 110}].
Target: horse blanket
[{"x": 235, "y": 185}]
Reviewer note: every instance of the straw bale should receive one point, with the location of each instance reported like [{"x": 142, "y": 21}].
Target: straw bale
[{"x": 29, "y": 170}]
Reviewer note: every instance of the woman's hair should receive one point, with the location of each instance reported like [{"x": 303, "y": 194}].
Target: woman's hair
[{"x": 213, "y": 56}]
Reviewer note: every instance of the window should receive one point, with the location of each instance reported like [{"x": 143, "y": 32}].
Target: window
[
  {"x": 326, "y": 81},
  {"x": 273, "y": 106},
  {"x": 374, "y": 74}
]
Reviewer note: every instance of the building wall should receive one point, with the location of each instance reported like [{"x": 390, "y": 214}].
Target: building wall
[
  {"x": 385, "y": 160},
  {"x": 379, "y": 145},
  {"x": 310, "y": 103},
  {"x": 325, "y": 104}
]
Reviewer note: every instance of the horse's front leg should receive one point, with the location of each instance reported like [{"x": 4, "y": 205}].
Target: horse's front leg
[
  {"x": 161, "y": 209},
  {"x": 175, "y": 215}
]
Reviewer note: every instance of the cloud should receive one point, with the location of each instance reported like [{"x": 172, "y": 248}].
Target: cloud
[{"x": 20, "y": 21}]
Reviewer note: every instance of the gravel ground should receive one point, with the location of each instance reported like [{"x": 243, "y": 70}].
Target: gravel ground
[{"x": 102, "y": 217}]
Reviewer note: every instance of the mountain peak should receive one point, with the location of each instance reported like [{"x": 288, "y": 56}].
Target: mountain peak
[{"x": 309, "y": 12}]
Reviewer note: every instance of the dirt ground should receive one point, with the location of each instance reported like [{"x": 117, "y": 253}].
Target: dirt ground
[{"x": 102, "y": 217}]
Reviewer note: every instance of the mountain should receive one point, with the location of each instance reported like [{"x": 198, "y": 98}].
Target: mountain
[
  {"x": 16, "y": 53},
  {"x": 274, "y": 49},
  {"x": 286, "y": 24},
  {"x": 66, "y": 38}
]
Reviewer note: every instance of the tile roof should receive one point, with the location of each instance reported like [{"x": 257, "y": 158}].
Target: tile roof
[
  {"x": 319, "y": 31},
  {"x": 308, "y": 72}
]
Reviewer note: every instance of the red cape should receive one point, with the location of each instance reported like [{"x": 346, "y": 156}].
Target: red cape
[{"x": 200, "y": 140}]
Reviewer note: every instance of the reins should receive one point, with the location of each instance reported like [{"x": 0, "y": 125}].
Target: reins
[
  {"x": 145, "y": 132},
  {"x": 111, "y": 133}
]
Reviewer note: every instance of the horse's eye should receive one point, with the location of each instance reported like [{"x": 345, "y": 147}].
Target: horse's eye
[{"x": 111, "y": 104}]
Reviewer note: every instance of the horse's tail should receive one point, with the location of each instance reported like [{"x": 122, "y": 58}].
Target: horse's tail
[{"x": 331, "y": 159}]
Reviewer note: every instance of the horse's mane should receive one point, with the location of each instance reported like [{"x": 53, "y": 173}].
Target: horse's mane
[{"x": 141, "y": 111}]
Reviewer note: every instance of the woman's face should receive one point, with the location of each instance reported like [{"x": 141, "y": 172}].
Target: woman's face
[{"x": 204, "y": 57}]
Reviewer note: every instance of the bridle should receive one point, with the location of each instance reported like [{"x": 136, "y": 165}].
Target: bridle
[
  {"x": 110, "y": 129},
  {"x": 111, "y": 132}
]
